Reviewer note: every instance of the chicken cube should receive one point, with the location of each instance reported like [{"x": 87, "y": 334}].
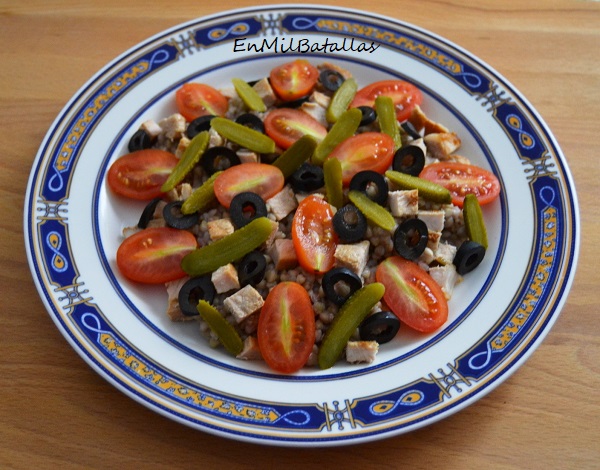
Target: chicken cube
[
  {"x": 265, "y": 91},
  {"x": 441, "y": 144},
  {"x": 445, "y": 253},
  {"x": 173, "y": 310},
  {"x": 244, "y": 303},
  {"x": 247, "y": 156},
  {"x": 353, "y": 256},
  {"x": 433, "y": 240},
  {"x": 250, "y": 350},
  {"x": 220, "y": 228},
  {"x": 361, "y": 351},
  {"x": 447, "y": 277},
  {"x": 404, "y": 202},
  {"x": 316, "y": 111},
  {"x": 421, "y": 121},
  {"x": 151, "y": 128},
  {"x": 282, "y": 203},
  {"x": 433, "y": 219},
  {"x": 173, "y": 126},
  {"x": 283, "y": 254},
  {"x": 225, "y": 279}
]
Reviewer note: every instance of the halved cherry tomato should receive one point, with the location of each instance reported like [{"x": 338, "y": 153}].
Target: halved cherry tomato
[
  {"x": 294, "y": 80},
  {"x": 404, "y": 95},
  {"x": 461, "y": 179},
  {"x": 260, "y": 178},
  {"x": 313, "y": 235},
  {"x": 153, "y": 255},
  {"x": 286, "y": 327},
  {"x": 367, "y": 151},
  {"x": 286, "y": 125},
  {"x": 139, "y": 175},
  {"x": 412, "y": 294},
  {"x": 197, "y": 99}
]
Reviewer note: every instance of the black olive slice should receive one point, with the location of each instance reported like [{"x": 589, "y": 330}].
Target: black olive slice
[
  {"x": 381, "y": 327},
  {"x": 339, "y": 284},
  {"x": 307, "y": 178},
  {"x": 409, "y": 159},
  {"x": 198, "y": 125},
  {"x": 251, "y": 270},
  {"x": 140, "y": 140},
  {"x": 368, "y": 115},
  {"x": 410, "y": 130},
  {"x": 410, "y": 238},
  {"x": 148, "y": 213},
  {"x": 350, "y": 224},
  {"x": 468, "y": 257},
  {"x": 197, "y": 288},
  {"x": 331, "y": 79},
  {"x": 252, "y": 121},
  {"x": 372, "y": 184},
  {"x": 246, "y": 207},
  {"x": 219, "y": 158},
  {"x": 176, "y": 219}
]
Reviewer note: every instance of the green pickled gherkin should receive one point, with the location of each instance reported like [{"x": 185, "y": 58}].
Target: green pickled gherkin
[
  {"x": 300, "y": 151},
  {"x": 226, "y": 333},
  {"x": 345, "y": 127},
  {"x": 427, "y": 189},
  {"x": 210, "y": 257},
  {"x": 346, "y": 321},
  {"x": 201, "y": 197},
  {"x": 334, "y": 188},
  {"x": 248, "y": 95},
  {"x": 243, "y": 135},
  {"x": 474, "y": 223},
  {"x": 340, "y": 100},
  {"x": 375, "y": 213},
  {"x": 191, "y": 156},
  {"x": 386, "y": 115}
]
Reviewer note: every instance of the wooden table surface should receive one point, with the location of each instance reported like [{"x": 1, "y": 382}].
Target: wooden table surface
[{"x": 56, "y": 412}]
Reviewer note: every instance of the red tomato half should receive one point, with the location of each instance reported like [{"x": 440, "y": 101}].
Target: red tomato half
[
  {"x": 404, "y": 95},
  {"x": 285, "y": 126},
  {"x": 153, "y": 255},
  {"x": 260, "y": 178},
  {"x": 294, "y": 80},
  {"x": 286, "y": 327},
  {"x": 461, "y": 179},
  {"x": 197, "y": 99},
  {"x": 313, "y": 235},
  {"x": 139, "y": 175},
  {"x": 412, "y": 294},
  {"x": 367, "y": 151}
]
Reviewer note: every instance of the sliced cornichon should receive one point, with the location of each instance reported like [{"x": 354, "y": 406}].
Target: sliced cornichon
[
  {"x": 341, "y": 99},
  {"x": 427, "y": 189},
  {"x": 346, "y": 321},
  {"x": 474, "y": 223},
  {"x": 243, "y": 135},
  {"x": 332, "y": 172},
  {"x": 248, "y": 95},
  {"x": 300, "y": 151},
  {"x": 344, "y": 127},
  {"x": 374, "y": 212},
  {"x": 226, "y": 333},
  {"x": 386, "y": 115},
  {"x": 201, "y": 197},
  {"x": 228, "y": 249},
  {"x": 191, "y": 156}
]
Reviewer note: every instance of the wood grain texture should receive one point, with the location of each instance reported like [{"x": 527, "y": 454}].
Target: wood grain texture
[{"x": 58, "y": 413}]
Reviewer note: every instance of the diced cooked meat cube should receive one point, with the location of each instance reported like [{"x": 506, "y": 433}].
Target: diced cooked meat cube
[
  {"x": 273, "y": 235},
  {"x": 219, "y": 228},
  {"x": 247, "y": 156},
  {"x": 404, "y": 202},
  {"x": 250, "y": 351},
  {"x": 361, "y": 351},
  {"x": 214, "y": 138},
  {"x": 152, "y": 128},
  {"x": 173, "y": 126},
  {"x": 421, "y": 121},
  {"x": 433, "y": 240},
  {"x": 441, "y": 144},
  {"x": 173, "y": 310},
  {"x": 181, "y": 146},
  {"x": 282, "y": 203},
  {"x": 225, "y": 279},
  {"x": 316, "y": 111},
  {"x": 433, "y": 219},
  {"x": 447, "y": 277},
  {"x": 353, "y": 256},
  {"x": 180, "y": 192},
  {"x": 264, "y": 90},
  {"x": 283, "y": 254},
  {"x": 244, "y": 303},
  {"x": 445, "y": 253},
  {"x": 427, "y": 256}
]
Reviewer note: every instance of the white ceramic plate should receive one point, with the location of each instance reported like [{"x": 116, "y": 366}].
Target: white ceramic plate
[{"x": 498, "y": 315}]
